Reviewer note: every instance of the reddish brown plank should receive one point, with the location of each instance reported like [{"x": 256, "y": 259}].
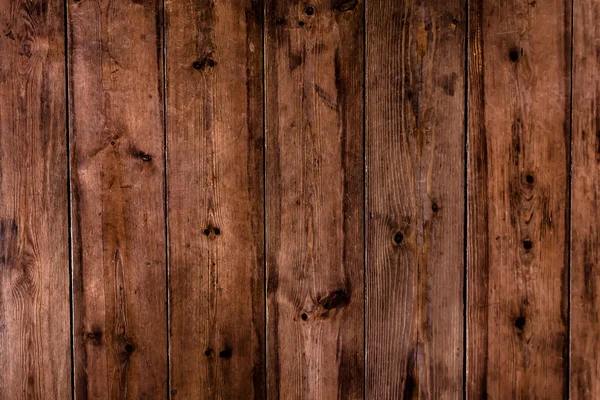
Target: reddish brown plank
[
  {"x": 34, "y": 248},
  {"x": 117, "y": 167},
  {"x": 415, "y": 198},
  {"x": 215, "y": 197},
  {"x": 518, "y": 165},
  {"x": 585, "y": 217},
  {"x": 314, "y": 160}
]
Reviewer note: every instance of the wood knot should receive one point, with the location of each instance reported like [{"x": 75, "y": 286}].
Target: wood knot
[
  {"x": 145, "y": 157},
  {"x": 201, "y": 64},
  {"x": 346, "y": 5},
  {"x": 209, "y": 229},
  {"x": 225, "y": 353},
  {"x": 126, "y": 347},
  {"x": 26, "y": 48},
  {"x": 530, "y": 179},
  {"x": 95, "y": 336},
  {"x": 520, "y": 322},
  {"x": 398, "y": 238},
  {"x": 336, "y": 299}
]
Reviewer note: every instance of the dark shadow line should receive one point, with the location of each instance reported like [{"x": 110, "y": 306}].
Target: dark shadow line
[
  {"x": 264, "y": 159},
  {"x": 365, "y": 200},
  {"x": 166, "y": 193},
  {"x": 466, "y": 201},
  {"x": 69, "y": 205},
  {"x": 569, "y": 238}
]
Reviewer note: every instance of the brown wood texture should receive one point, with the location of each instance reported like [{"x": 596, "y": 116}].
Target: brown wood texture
[
  {"x": 299, "y": 199},
  {"x": 215, "y": 198},
  {"x": 415, "y": 198},
  {"x": 34, "y": 246},
  {"x": 314, "y": 196},
  {"x": 117, "y": 182},
  {"x": 585, "y": 217},
  {"x": 518, "y": 185}
]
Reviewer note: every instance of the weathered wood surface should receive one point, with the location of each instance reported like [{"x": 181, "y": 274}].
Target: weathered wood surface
[
  {"x": 518, "y": 180},
  {"x": 585, "y": 216},
  {"x": 415, "y": 198},
  {"x": 118, "y": 219},
  {"x": 292, "y": 199},
  {"x": 215, "y": 198},
  {"x": 314, "y": 194},
  {"x": 34, "y": 247}
]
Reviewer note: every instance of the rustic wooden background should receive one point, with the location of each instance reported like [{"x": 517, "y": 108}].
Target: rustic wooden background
[{"x": 299, "y": 199}]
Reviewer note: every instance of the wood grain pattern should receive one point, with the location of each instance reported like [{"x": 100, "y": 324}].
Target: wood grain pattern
[
  {"x": 518, "y": 165},
  {"x": 585, "y": 217},
  {"x": 34, "y": 262},
  {"x": 215, "y": 198},
  {"x": 314, "y": 168},
  {"x": 117, "y": 168},
  {"x": 415, "y": 198}
]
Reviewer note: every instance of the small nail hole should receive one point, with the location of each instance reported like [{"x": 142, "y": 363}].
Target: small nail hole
[
  {"x": 197, "y": 65},
  {"x": 207, "y": 231},
  {"x": 514, "y": 55},
  {"x": 217, "y": 231},
  {"x": 208, "y": 353},
  {"x": 300, "y": 23},
  {"x": 435, "y": 208},
  {"x": 398, "y": 238},
  {"x": 304, "y": 316},
  {"x": 455, "y": 21},
  {"x": 527, "y": 244},
  {"x": 309, "y": 10},
  {"x": 129, "y": 348}
]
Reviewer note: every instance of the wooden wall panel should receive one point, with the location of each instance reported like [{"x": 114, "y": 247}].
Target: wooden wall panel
[
  {"x": 215, "y": 198},
  {"x": 518, "y": 184},
  {"x": 34, "y": 247},
  {"x": 315, "y": 208},
  {"x": 415, "y": 198},
  {"x": 117, "y": 175},
  {"x": 585, "y": 217}
]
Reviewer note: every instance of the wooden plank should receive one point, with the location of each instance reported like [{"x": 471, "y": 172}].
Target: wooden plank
[
  {"x": 518, "y": 166},
  {"x": 415, "y": 198},
  {"x": 215, "y": 197},
  {"x": 585, "y": 218},
  {"x": 314, "y": 158},
  {"x": 34, "y": 250},
  {"x": 117, "y": 180}
]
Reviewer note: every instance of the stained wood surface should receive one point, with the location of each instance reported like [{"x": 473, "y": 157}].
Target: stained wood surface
[
  {"x": 215, "y": 199},
  {"x": 314, "y": 197},
  {"x": 415, "y": 198},
  {"x": 585, "y": 218},
  {"x": 34, "y": 246},
  {"x": 117, "y": 182},
  {"x": 334, "y": 199},
  {"x": 518, "y": 177}
]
